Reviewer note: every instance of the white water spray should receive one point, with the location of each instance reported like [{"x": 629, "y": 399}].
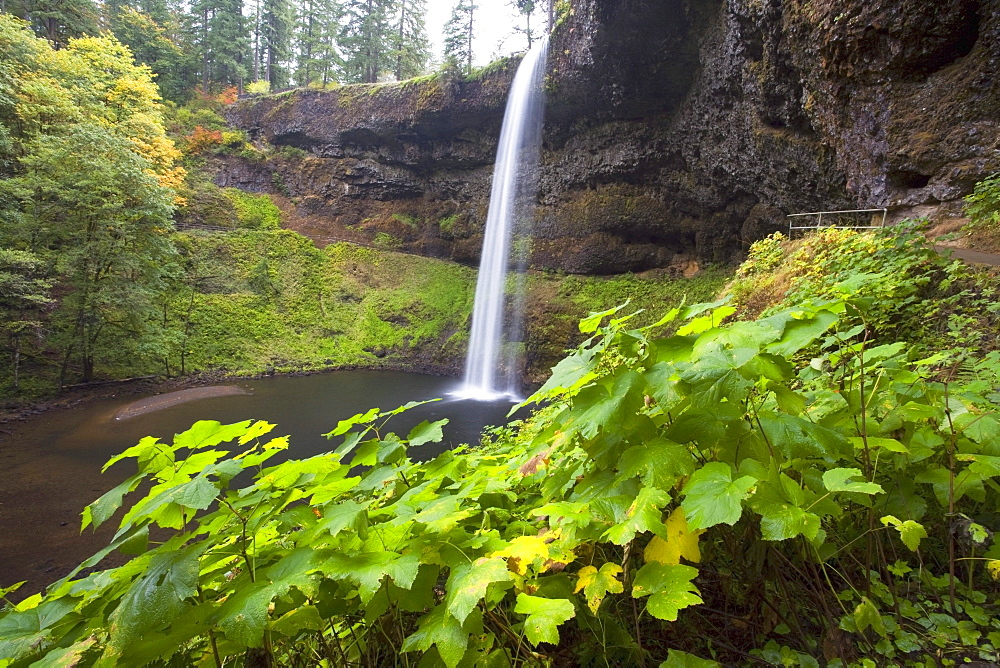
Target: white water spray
[{"x": 515, "y": 176}]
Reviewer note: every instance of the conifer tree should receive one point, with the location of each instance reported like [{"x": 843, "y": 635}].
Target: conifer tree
[
  {"x": 458, "y": 33},
  {"x": 277, "y": 19},
  {"x": 317, "y": 29},
  {"x": 527, "y": 10},
  {"x": 152, "y": 42},
  {"x": 410, "y": 47},
  {"x": 221, "y": 39},
  {"x": 366, "y": 39},
  {"x": 57, "y": 20}
]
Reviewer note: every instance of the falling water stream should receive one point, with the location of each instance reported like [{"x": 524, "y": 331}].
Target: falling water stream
[{"x": 491, "y": 366}]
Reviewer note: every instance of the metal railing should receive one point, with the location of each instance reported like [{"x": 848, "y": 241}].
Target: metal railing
[{"x": 819, "y": 219}]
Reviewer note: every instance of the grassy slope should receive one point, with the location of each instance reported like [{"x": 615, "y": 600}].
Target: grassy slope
[{"x": 271, "y": 301}]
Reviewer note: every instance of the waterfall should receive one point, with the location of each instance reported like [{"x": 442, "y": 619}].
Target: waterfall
[{"x": 490, "y": 370}]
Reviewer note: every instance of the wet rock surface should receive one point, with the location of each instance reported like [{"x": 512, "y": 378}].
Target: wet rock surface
[{"x": 674, "y": 129}]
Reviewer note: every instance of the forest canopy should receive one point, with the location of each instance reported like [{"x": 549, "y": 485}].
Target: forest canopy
[{"x": 87, "y": 194}]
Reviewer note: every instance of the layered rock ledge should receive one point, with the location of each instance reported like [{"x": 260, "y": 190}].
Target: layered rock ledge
[{"x": 675, "y": 130}]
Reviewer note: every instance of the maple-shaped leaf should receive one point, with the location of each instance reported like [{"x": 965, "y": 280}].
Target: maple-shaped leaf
[
  {"x": 910, "y": 532},
  {"x": 711, "y": 496},
  {"x": 206, "y": 433},
  {"x": 598, "y": 583},
  {"x": 669, "y": 589},
  {"x": 644, "y": 514},
  {"x": 544, "y": 617},
  {"x": 522, "y": 551},
  {"x": 440, "y": 629},
  {"x": 468, "y": 582},
  {"x": 680, "y": 542},
  {"x": 366, "y": 570},
  {"x": 782, "y": 515}
]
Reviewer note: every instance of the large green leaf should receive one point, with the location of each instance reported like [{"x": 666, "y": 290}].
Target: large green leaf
[
  {"x": 711, "y": 496},
  {"x": 910, "y": 532},
  {"x": 658, "y": 462},
  {"x": 798, "y": 438},
  {"x": 427, "y": 432},
  {"x": 780, "y": 520},
  {"x": 345, "y": 426},
  {"x": 598, "y": 408},
  {"x": 867, "y": 615},
  {"x": 839, "y": 480},
  {"x": 468, "y": 582},
  {"x": 590, "y": 324},
  {"x": 256, "y": 430},
  {"x": 101, "y": 510},
  {"x": 669, "y": 588},
  {"x": 440, "y": 629},
  {"x": 165, "y": 502},
  {"x": 544, "y": 615},
  {"x": 644, "y": 514},
  {"x": 597, "y": 583},
  {"x": 159, "y": 596},
  {"x": 716, "y": 377},
  {"x": 679, "y": 659},
  {"x": 23, "y": 631},
  {"x": 965, "y": 482},
  {"x": 207, "y": 433},
  {"x": 67, "y": 657},
  {"x": 802, "y": 331},
  {"x": 569, "y": 375},
  {"x": 243, "y": 616},
  {"x": 150, "y": 453},
  {"x": 366, "y": 569}
]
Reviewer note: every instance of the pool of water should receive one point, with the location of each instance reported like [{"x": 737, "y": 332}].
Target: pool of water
[{"x": 50, "y": 467}]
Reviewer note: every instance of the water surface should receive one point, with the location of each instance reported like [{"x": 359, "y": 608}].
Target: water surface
[{"x": 50, "y": 467}]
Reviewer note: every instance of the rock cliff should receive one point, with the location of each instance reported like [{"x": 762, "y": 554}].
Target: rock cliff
[{"x": 675, "y": 129}]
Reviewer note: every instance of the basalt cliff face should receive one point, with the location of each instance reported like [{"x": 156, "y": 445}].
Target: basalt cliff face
[{"x": 676, "y": 130}]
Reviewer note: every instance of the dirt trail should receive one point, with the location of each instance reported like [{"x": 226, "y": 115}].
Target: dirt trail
[{"x": 969, "y": 255}]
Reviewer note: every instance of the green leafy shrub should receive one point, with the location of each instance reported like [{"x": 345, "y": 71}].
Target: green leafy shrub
[
  {"x": 447, "y": 225},
  {"x": 914, "y": 293},
  {"x": 260, "y": 87},
  {"x": 777, "y": 507},
  {"x": 409, "y": 221},
  {"x": 254, "y": 212},
  {"x": 765, "y": 256},
  {"x": 983, "y": 205},
  {"x": 386, "y": 241}
]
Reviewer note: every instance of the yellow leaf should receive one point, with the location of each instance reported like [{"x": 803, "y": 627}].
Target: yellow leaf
[
  {"x": 993, "y": 566},
  {"x": 524, "y": 550},
  {"x": 679, "y": 543},
  {"x": 596, "y": 584},
  {"x": 585, "y": 576}
]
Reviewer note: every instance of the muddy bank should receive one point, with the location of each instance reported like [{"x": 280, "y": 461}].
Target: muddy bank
[{"x": 161, "y": 401}]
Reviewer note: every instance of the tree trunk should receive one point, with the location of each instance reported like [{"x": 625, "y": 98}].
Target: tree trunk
[
  {"x": 17, "y": 361},
  {"x": 204, "y": 51},
  {"x": 399, "y": 42},
  {"x": 468, "y": 67}
]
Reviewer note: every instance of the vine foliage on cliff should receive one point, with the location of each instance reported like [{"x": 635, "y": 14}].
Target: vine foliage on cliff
[{"x": 786, "y": 455}]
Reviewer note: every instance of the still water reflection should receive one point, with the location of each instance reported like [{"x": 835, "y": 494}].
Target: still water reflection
[{"x": 50, "y": 468}]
